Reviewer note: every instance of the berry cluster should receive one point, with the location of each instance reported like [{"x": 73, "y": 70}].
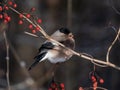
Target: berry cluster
[
  {"x": 30, "y": 26},
  {"x": 95, "y": 78},
  {"x": 56, "y": 86},
  {"x": 4, "y": 7}
]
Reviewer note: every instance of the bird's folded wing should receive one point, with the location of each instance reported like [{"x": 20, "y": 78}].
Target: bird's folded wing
[
  {"x": 46, "y": 45},
  {"x": 37, "y": 59}
]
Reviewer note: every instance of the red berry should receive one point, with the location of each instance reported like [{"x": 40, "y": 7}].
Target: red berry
[
  {"x": 20, "y": 22},
  {"x": 1, "y": 16},
  {"x": 33, "y": 9},
  {"x": 39, "y": 21},
  {"x": 6, "y": 7},
  {"x": 20, "y": 15},
  {"x": 28, "y": 15},
  {"x": 101, "y": 81},
  {"x": 8, "y": 18},
  {"x": 5, "y": 21},
  {"x": 62, "y": 85},
  {"x": 37, "y": 28},
  {"x": 56, "y": 88},
  {"x": 93, "y": 78},
  {"x": 5, "y": 15},
  {"x": 33, "y": 31},
  {"x": 15, "y": 5},
  {"x": 1, "y": 8},
  {"x": 95, "y": 85},
  {"x": 53, "y": 85},
  {"x": 30, "y": 26},
  {"x": 80, "y": 88},
  {"x": 10, "y": 3},
  {"x": 49, "y": 88}
]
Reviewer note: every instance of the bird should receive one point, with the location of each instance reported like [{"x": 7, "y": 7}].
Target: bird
[{"x": 53, "y": 52}]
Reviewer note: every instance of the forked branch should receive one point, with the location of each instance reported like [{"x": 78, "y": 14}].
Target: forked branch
[{"x": 98, "y": 62}]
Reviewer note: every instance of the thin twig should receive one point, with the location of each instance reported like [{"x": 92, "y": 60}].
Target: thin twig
[
  {"x": 92, "y": 61},
  {"x": 7, "y": 59},
  {"x": 31, "y": 34},
  {"x": 75, "y": 53},
  {"x": 101, "y": 88},
  {"x": 113, "y": 7},
  {"x": 109, "y": 49},
  {"x": 24, "y": 70}
]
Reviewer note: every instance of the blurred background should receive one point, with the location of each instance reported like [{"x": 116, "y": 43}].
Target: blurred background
[{"x": 93, "y": 23}]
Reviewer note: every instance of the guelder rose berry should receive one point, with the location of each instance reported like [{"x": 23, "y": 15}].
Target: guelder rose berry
[
  {"x": 20, "y": 22},
  {"x": 28, "y": 15},
  {"x": 30, "y": 26},
  {"x": 15, "y": 5}
]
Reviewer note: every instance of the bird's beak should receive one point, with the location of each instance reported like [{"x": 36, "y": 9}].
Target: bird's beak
[{"x": 70, "y": 35}]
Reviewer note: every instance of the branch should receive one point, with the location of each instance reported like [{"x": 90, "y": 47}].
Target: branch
[
  {"x": 101, "y": 88},
  {"x": 114, "y": 8},
  {"x": 109, "y": 49},
  {"x": 97, "y": 61},
  {"x": 31, "y": 34},
  {"x": 7, "y": 59},
  {"x": 32, "y": 83}
]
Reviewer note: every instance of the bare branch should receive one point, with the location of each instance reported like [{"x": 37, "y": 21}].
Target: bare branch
[
  {"x": 109, "y": 49},
  {"x": 101, "y": 88},
  {"x": 7, "y": 59},
  {"x": 32, "y": 84},
  {"x": 113, "y": 7},
  {"x": 31, "y": 34}
]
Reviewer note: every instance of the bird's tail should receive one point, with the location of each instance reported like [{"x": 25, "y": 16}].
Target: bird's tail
[
  {"x": 33, "y": 65},
  {"x": 37, "y": 59}
]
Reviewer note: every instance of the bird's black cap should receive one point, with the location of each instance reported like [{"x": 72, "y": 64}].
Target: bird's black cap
[{"x": 64, "y": 30}]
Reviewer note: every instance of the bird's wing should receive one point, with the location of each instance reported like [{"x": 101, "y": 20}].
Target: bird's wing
[
  {"x": 42, "y": 53},
  {"x": 46, "y": 46},
  {"x": 37, "y": 59}
]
